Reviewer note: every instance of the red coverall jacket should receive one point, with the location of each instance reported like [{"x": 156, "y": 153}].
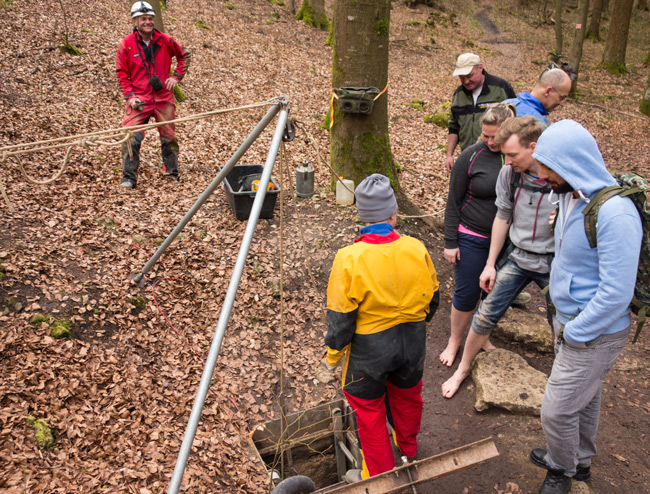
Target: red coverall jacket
[{"x": 131, "y": 72}]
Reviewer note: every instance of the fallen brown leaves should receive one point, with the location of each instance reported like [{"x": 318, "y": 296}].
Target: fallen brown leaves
[{"x": 121, "y": 390}]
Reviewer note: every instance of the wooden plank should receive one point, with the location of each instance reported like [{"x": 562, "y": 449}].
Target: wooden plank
[{"x": 421, "y": 471}]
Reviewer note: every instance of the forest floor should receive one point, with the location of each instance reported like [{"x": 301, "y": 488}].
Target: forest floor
[{"x": 119, "y": 391}]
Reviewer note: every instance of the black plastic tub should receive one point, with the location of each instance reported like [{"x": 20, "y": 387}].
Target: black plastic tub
[{"x": 241, "y": 202}]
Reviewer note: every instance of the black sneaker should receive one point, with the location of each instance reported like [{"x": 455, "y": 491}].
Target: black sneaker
[
  {"x": 583, "y": 473},
  {"x": 556, "y": 483}
]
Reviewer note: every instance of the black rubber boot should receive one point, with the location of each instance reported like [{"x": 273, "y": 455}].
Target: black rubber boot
[
  {"x": 169, "y": 151},
  {"x": 130, "y": 163}
]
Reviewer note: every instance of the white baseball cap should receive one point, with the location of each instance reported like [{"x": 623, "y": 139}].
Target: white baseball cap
[{"x": 465, "y": 63}]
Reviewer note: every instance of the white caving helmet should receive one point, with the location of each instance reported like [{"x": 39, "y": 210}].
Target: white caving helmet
[{"x": 141, "y": 8}]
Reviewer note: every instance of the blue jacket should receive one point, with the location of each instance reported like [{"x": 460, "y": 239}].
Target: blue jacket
[
  {"x": 592, "y": 286},
  {"x": 527, "y": 104}
]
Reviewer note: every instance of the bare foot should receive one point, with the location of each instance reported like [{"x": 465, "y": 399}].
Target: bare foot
[
  {"x": 488, "y": 346},
  {"x": 451, "y": 385},
  {"x": 448, "y": 355}
]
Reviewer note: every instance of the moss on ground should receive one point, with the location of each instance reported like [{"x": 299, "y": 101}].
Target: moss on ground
[{"x": 44, "y": 433}]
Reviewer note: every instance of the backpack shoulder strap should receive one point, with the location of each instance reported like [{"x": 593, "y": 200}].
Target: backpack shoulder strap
[
  {"x": 515, "y": 178},
  {"x": 591, "y": 211}
]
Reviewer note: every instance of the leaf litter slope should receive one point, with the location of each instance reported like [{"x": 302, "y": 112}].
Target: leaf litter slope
[{"x": 120, "y": 391}]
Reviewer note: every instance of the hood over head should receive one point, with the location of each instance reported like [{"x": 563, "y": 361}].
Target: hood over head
[{"x": 568, "y": 149}]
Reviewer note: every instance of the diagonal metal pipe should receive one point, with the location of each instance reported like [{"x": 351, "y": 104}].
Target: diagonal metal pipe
[
  {"x": 211, "y": 361},
  {"x": 270, "y": 114}
]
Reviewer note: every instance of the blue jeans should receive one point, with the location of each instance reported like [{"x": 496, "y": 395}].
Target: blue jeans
[
  {"x": 509, "y": 282},
  {"x": 571, "y": 403}
]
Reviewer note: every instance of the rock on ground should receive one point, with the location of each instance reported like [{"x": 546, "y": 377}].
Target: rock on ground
[
  {"x": 579, "y": 488},
  {"x": 504, "y": 379},
  {"x": 528, "y": 328}
]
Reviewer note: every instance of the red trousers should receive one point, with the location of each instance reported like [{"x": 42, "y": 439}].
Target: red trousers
[
  {"x": 406, "y": 410},
  {"x": 162, "y": 111}
]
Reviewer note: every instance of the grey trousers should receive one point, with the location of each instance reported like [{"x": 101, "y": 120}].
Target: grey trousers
[{"x": 571, "y": 403}]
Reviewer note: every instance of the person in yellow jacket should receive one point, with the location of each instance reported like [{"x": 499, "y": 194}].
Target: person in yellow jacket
[{"x": 382, "y": 290}]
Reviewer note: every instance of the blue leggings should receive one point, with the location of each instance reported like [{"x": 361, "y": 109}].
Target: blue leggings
[{"x": 473, "y": 256}]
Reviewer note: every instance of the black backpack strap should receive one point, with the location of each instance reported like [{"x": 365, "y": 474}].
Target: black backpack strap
[{"x": 515, "y": 178}]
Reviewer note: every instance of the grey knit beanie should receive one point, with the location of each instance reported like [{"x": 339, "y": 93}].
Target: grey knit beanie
[{"x": 375, "y": 199}]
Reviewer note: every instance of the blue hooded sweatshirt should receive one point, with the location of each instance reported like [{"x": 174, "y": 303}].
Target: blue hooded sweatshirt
[
  {"x": 592, "y": 286},
  {"x": 527, "y": 104}
]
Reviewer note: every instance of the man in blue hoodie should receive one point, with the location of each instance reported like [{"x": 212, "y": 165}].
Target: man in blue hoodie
[
  {"x": 591, "y": 289},
  {"x": 550, "y": 91}
]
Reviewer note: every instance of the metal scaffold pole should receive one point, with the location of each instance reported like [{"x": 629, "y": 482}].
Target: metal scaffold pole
[
  {"x": 211, "y": 361},
  {"x": 272, "y": 112}
]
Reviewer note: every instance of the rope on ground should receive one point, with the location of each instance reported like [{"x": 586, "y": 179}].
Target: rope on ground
[
  {"x": 110, "y": 137},
  {"x": 437, "y": 213}
]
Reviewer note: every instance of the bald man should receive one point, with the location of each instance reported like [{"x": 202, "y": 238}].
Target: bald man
[{"x": 551, "y": 90}]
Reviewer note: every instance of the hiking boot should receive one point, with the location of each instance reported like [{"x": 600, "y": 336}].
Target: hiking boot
[
  {"x": 522, "y": 299},
  {"x": 352, "y": 476},
  {"x": 555, "y": 483},
  {"x": 583, "y": 473},
  {"x": 173, "y": 176},
  {"x": 127, "y": 184}
]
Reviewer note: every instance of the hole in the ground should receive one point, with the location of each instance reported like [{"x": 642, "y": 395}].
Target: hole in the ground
[{"x": 310, "y": 444}]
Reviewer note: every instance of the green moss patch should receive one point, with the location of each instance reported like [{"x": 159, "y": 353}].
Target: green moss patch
[
  {"x": 138, "y": 302},
  {"x": 38, "y": 319},
  {"x": 71, "y": 50},
  {"x": 60, "y": 329},
  {"x": 440, "y": 119},
  {"x": 44, "y": 433},
  {"x": 203, "y": 25}
]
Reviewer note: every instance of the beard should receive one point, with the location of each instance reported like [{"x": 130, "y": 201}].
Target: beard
[{"x": 562, "y": 188}]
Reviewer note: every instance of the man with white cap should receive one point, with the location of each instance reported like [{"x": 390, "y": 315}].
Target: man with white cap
[
  {"x": 477, "y": 91},
  {"x": 382, "y": 290}
]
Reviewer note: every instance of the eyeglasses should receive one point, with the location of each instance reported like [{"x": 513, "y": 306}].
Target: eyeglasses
[{"x": 562, "y": 96}]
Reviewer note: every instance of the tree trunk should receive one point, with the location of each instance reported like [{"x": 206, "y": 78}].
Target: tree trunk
[
  {"x": 616, "y": 45},
  {"x": 593, "y": 33},
  {"x": 578, "y": 41},
  {"x": 360, "y": 144},
  {"x": 644, "y": 105},
  {"x": 158, "y": 21},
  {"x": 642, "y": 5},
  {"x": 312, "y": 13},
  {"x": 559, "y": 38}
]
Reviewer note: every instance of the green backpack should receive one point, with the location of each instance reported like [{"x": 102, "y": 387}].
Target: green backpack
[{"x": 635, "y": 187}]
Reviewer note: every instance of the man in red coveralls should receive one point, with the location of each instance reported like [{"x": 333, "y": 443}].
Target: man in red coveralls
[{"x": 144, "y": 60}]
